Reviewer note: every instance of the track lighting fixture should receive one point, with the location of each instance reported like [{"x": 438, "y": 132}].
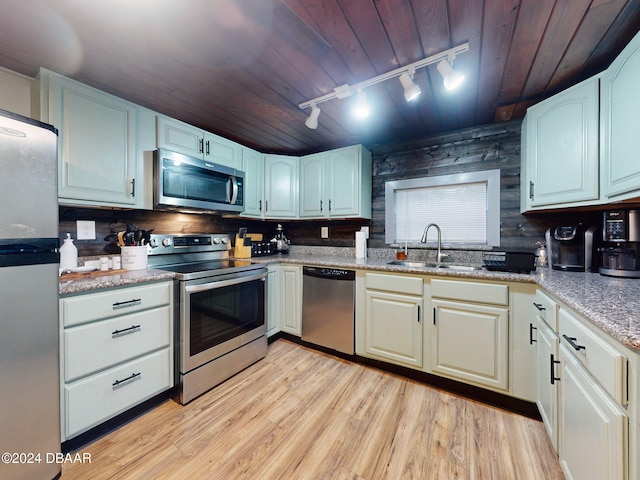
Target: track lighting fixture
[
  {"x": 312, "y": 119},
  {"x": 411, "y": 90},
  {"x": 452, "y": 79}
]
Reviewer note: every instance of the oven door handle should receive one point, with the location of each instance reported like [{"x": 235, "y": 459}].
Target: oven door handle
[{"x": 224, "y": 283}]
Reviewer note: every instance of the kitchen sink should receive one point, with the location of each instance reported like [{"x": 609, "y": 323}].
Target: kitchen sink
[
  {"x": 447, "y": 266},
  {"x": 408, "y": 263}
]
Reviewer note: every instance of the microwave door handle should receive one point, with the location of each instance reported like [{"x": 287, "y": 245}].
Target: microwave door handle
[{"x": 232, "y": 190}]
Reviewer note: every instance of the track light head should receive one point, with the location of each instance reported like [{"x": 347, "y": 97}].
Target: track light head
[
  {"x": 452, "y": 79},
  {"x": 312, "y": 120},
  {"x": 411, "y": 90}
]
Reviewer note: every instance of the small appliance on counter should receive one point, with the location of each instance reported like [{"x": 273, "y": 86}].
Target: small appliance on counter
[
  {"x": 571, "y": 247},
  {"x": 621, "y": 244},
  {"x": 510, "y": 261},
  {"x": 280, "y": 241}
]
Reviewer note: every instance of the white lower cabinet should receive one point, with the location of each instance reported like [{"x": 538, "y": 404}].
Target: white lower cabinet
[
  {"x": 284, "y": 299},
  {"x": 116, "y": 351},
  {"x": 471, "y": 342},
  {"x": 547, "y": 384},
  {"x": 393, "y": 318},
  {"x": 470, "y": 332},
  {"x": 593, "y": 428},
  {"x": 583, "y": 394}
]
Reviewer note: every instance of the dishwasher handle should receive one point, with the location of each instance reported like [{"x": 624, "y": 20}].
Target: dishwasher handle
[{"x": 329, "y": 273}]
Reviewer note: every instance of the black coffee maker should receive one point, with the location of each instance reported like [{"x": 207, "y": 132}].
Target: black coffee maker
[
  {"x": 571, "y": 247},
  {"x": 621, "y": 244}
]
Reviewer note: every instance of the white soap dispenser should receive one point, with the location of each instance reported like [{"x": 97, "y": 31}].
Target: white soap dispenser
[{"x": 68, "y": 254}]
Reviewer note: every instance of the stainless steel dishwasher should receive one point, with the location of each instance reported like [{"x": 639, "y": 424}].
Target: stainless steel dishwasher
[{"x": 328, "y": 298}]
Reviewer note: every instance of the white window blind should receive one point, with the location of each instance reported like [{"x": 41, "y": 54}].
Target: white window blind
[
  {"x": 465, "y": 206},
  {"x": 445, "y": 205}
]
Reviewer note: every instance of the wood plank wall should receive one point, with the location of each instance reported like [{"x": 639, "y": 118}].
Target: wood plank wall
[{"x": 473, "y": 149}]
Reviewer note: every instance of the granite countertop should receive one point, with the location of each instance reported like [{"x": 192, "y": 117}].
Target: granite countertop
[{"x": 110, "y": 280}]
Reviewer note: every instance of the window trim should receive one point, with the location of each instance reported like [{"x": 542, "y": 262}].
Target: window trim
[{"x": 490, "y": 177}]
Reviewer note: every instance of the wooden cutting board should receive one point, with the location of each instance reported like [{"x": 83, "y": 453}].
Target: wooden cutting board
[{"x": 95, "y": 273}]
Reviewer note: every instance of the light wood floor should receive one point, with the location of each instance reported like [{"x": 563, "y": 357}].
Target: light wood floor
[{"x": 301, "y": 414}]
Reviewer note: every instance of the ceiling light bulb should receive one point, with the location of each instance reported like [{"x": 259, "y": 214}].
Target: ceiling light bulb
[
  {"x": 411, "y": 90},
  {"x": 452, "y": 79},
  {"x": 312, "y": 120},
  {"x": 361, "y": 109}
]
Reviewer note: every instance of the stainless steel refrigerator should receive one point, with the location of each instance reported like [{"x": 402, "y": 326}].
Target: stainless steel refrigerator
[{"x": 29, "y": 258}]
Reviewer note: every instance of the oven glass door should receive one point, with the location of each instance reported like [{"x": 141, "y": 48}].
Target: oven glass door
[{"x": 220, "y": 316}]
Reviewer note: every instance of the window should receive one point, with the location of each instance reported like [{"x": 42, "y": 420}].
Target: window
[{"x": 465, "y": 206}]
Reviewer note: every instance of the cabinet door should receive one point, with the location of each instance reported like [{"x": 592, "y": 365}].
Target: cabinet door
[
  {"x": 394, "y": 327},
  {"x": 593, "y": 428},
  {"x": 273, "y": 300},
  {"x": 471, "y": 342},
  {"x": 96, "y": 144},
  {"x": 222, "y": 151},
  {"x": 344, "y": 182},
  {"x": 281, "y": 186},
  {"x": 180, "y": 137},
  {"x": 547, "y": 383},
  {"x": 620, "y": 123},
  {"x": 562, "y": 147},
  {"x": 291, "y": 299},
  {"x": 253, "y": 167},
  {"x": 312, "y": 186}
]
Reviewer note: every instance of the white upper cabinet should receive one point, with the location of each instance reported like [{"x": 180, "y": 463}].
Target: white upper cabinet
[
  {"x": 313, "y": 203},
  {"x": 620, "y": 104},
  {"x": 183, "y": 138},
  {"x": 336, "y": 184},
  {"x": 562, "y": 161},
  {"x": 97, "y": 143},
  {"x": 253, "y": 168},
  {"x": 280, "y": 186}
]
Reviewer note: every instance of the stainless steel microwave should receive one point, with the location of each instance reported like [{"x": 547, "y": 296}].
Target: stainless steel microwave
[{"x": 187, "y": 183}]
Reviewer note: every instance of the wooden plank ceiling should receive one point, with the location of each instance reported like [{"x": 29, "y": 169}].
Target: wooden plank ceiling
[{"x": 240, "y": 68}]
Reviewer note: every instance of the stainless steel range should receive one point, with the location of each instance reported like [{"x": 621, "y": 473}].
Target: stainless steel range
[{"x": 220, "y": 308}]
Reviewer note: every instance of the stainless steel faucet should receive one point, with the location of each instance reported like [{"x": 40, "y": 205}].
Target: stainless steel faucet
[{"x": 439, "y": 255}]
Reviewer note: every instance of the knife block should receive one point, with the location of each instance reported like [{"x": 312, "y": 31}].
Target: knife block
[{"x": 241, "y": 248}]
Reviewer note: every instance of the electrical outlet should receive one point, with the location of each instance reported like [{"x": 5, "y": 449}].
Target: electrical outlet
[
  {"x": 86, "y": 229},
  {"x": 324, "y": 232}
]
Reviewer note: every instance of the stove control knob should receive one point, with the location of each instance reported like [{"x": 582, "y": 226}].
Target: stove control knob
[
  {"x": 166, "y": 242},
  {"x": 225, "y": 240},
  {"x": 216, "y": 240},
  {"x": 153, "y": 243}
]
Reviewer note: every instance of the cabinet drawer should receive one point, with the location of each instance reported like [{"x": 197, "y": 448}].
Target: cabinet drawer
[
  {"x": 546, "y": 308},
  {"x": 470, "y": 291},
  {"x": 99, "y": 345},
  {"x": 395, "y": 283},
  {"x": 91, "y": 401},
  {"x": 94, "y": 306},
  {"x": 603, "y": 361}
]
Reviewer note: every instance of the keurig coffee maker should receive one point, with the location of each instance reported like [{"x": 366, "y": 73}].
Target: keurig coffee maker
[
  {"x": 571, "y": 248},
  {"x": 621, "y": 244}
]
